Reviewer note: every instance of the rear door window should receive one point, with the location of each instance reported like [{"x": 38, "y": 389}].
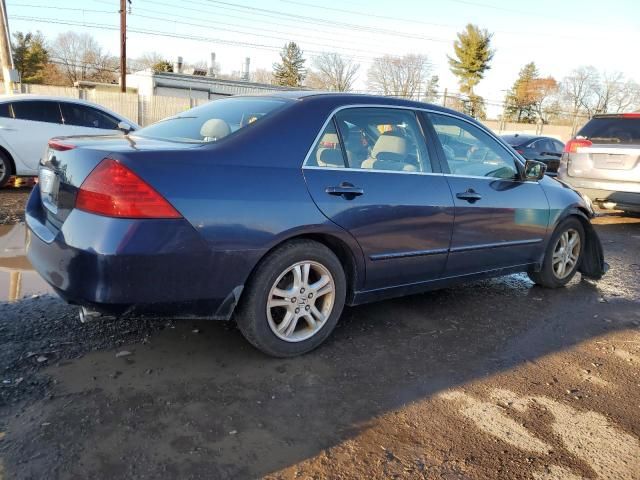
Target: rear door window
[
  {"x": 327, "y": 152},
  {"x": 86, "y": 116},
  {"x": 612, "y": 130},
  {"x": 383, "y": 139},
  {"x": 38, "y": 111}
]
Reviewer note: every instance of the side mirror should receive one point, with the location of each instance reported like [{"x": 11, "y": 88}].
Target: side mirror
[
  {"x": 534, "y": 170},
  {"x": 124, "y": 127}
]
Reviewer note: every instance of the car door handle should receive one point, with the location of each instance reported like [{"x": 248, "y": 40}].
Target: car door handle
[
  {"x": 470, "y": 196},
  {"x": 345, "y": 190}
]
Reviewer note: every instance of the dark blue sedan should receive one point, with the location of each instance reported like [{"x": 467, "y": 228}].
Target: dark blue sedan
[{"x": 278, "y": 211}]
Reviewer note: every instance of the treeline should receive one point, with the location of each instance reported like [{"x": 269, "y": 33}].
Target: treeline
[{"x": 71, "y": 57}]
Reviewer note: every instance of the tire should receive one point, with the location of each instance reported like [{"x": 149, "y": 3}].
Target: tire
[
  {"x": 273, "y": 303},
  {"x": 5, "y": 170},
  {"x": 552, "y": 275}
]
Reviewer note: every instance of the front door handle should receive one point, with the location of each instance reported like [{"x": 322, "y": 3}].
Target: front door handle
[
  {"x": 470, "y": 196},
  {"x": 345, "y": 190}
]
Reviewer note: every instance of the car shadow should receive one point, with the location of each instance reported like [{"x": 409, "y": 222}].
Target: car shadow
[{"x": 194, "y": 400}]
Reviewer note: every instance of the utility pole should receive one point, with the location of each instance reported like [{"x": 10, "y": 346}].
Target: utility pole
[
  {"x": 444, "y": 98},
  {"x": 8, "y": 71},
  {"x": 123, "y": 45}
]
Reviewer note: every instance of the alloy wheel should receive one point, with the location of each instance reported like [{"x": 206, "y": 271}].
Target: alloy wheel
[
  {"x": 566, "y": 253},
  {"x": 301, "y": 301}
]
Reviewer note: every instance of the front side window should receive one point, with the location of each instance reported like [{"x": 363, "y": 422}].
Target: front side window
[
  {"x": 38, "y": 111},
  {"x": 85, "y": 116},
  {"x": 5, "y": 110},
  {"x": 469, "y": 151},
  {"x": 213, "y": 121},
  {"x": 383, "y": 139}
]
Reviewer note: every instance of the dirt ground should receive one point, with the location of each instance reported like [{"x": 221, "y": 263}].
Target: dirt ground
[{"x": 494, "y": 379}]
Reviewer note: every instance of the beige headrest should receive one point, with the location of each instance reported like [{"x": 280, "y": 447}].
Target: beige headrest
[
  {"x": 389, "y": 144},
  {"x": 329, "y": 140},
  {"x": 214, "y": 129},
  {"x": 329, "y": 157}
]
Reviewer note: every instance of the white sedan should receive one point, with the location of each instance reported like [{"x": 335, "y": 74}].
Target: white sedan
[{"x": 27, "y": 122}]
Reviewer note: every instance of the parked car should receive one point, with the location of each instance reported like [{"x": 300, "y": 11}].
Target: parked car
[
  {"x": 543, "y": 149},
  {"x": 27, "y": 122},
  {"x": 257, "y": 209},
  {"x": 603, "y": 161}
]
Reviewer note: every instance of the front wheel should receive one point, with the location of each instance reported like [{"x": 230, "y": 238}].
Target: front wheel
[
  {"x": 293, "y": 300},
  {"x": 563, "y": 255}
]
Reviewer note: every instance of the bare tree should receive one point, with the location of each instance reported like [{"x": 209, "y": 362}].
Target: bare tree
[
  {"x": 261, "y": 75},
  {"x": 80, "y": 57},
  {"x": 149, "y": 60},
  {"x": 626, "y": 98},
  {"x": 334, "y": 72},
  {"x": 579, "y": 89},
  {"x": 399, "y": 76}
]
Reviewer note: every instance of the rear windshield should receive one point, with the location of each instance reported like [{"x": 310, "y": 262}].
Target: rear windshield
[
  {"x": 515, "y": 140},
  {"x": 213, "y": 121},
  {"x": 612, "y": 130}
]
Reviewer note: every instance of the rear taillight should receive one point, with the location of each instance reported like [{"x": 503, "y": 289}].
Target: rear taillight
[
  {"x": 60, "y": 146},
  {"x": 572, "y": 146},
  {"x": 113, "y": 190}
]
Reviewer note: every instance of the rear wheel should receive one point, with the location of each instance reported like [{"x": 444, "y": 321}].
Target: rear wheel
[
  {"x": 5, "y": 170},
  {"x": 293, "y": 300},
  {"x": 563, "y": 255}
]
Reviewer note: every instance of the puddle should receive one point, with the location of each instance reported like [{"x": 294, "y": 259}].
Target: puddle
[{"x": 18, "y": 279}]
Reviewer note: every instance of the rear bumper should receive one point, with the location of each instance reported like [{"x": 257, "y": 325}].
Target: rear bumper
[
  {"x": 620, "y": 200},
  {"x": 624, "y": 195},
  {"x": 113, "y": 265}
]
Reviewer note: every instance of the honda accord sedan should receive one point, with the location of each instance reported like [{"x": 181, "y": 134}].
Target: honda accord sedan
[{"x": 278, "y": 211}]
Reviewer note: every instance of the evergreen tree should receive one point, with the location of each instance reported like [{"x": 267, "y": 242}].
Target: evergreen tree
[
  {"x": 522, "y": 98},
  {"x": 162, "y": 66},
  {"x": 290, "y": 72},
  {"x": 30, "y": 56},
  {"x": 473, "y": 54},
  {"x": 432, "y": 86}
]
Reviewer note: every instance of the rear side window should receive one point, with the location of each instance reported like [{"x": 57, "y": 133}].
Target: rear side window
[
  {"x": 213, "y": 121},
  {"x": 85, "y": 116},
  {"x": 5, "y": 110},
  {"x": 328, "y": 150},
  {"x": 612, "y": 130},
  {"x": 38, "y": 111}
]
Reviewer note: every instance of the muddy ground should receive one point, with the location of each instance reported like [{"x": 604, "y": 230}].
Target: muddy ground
[{"x": 495, "y": 379}]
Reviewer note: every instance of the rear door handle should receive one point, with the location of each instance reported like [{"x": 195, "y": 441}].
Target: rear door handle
[
  {"x": 470, "y": 196},
  {"x": 345, "y": 190}
]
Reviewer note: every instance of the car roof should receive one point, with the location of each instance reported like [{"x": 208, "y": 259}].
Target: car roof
[
  {"x": 22, "y": 97},
  {"x": 349, "y": 98}
]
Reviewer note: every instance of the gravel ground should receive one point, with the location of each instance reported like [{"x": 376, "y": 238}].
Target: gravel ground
[
  {"x": 495, "y": 379},
  {"x": 12, "y": 202}
]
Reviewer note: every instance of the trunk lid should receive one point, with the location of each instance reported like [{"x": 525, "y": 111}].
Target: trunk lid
[{"x": 68, "y": 161}]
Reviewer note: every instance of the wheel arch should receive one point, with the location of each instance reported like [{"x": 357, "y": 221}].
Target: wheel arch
[
  {"x": 592, "y": 264},
  {"x": 9, "y": 157},
  {"x": 353, "y": 267}
]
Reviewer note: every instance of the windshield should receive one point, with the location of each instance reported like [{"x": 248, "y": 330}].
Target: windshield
[{"x": 213, "y": 121}]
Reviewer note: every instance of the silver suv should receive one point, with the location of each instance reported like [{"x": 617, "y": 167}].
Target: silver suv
[{"x": 603, "y": 161}]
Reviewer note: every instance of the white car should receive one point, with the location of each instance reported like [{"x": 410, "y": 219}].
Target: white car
[{"x": 27, "y": 122}]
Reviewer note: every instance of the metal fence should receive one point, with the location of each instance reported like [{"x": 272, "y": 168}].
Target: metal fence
[{"x": 147, "y": 110}]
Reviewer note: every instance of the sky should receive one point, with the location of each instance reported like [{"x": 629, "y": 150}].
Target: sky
[{"x": 558, "y": 35}]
